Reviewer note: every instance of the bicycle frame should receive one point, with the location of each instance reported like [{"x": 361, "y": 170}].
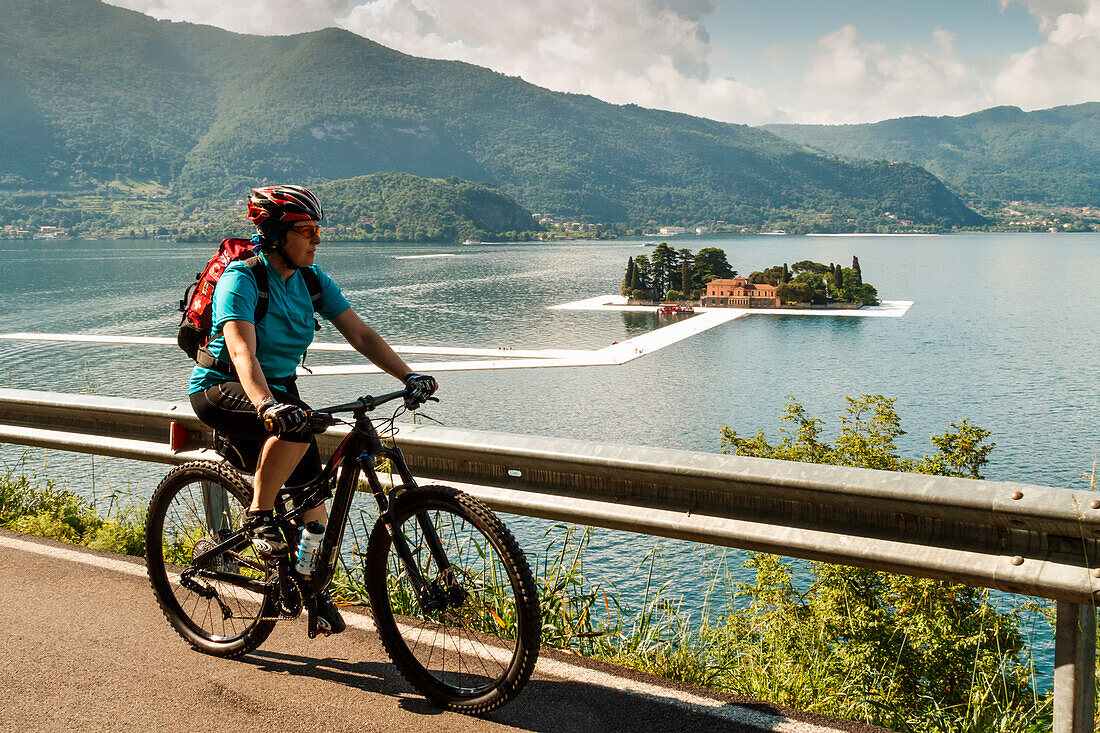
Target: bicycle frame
[{"x": 356, "y": 454}]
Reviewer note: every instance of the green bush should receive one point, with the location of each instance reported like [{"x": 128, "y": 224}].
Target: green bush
[
  {"x": 908, "y": 653},
  {"x": 125, "y": 538},
  {"x": 46, "y": 511},
  {"x": 45, "y": 525}
]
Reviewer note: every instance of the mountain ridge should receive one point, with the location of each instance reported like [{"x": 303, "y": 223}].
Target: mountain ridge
[
  {"x": 998, "y": 154},
  {"x": 210, "y": 113}
]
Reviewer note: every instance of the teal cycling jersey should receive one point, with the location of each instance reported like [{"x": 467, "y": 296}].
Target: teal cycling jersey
[{"x": 282, "y": 335}]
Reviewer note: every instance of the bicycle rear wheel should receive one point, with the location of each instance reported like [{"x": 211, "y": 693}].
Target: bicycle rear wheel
[
  {"x": 476, "y": 653},
  {"x": 197, "y": 506}
]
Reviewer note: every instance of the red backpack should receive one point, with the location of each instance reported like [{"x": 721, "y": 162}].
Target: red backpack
[{"x": 196, "y": 306}]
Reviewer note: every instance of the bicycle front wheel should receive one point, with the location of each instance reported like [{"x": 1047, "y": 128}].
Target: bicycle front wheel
[
  {"x": 471, "y": 641},
  {"x": 222, "y": 605}
]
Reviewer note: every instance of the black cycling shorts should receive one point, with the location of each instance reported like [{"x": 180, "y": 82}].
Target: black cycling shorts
[{"x": 226, "y": 408}]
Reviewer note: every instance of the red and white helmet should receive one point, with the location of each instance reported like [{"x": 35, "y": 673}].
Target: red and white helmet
[{"x": 275, "y": 205}]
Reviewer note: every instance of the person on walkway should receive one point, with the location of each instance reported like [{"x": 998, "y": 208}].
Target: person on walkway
[{"x": 246, "y": 373}]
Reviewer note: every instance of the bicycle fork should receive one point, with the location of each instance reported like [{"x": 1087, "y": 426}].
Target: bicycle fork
[{"x": 444, "y": 591}]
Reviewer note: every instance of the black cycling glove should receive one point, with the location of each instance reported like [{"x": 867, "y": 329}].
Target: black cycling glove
[
  {"x": 425, "y": 384},
  {"x": 280, "y": 417}
]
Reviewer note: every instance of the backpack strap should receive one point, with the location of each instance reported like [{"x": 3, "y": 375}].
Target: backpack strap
[
  {"x": 258, "y": 268},
  {"x": 313, "y": 284}
]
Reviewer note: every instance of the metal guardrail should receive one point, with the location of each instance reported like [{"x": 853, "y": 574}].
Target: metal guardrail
[{"x": 1015, "y": 537}]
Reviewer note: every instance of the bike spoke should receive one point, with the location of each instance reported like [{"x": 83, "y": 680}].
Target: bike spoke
[
  {"x": 193, "y": 518},
  {"x": 467, "y": 647}
]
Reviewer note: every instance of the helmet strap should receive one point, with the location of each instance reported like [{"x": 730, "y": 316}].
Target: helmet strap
[{"x": 274, "y": 241}]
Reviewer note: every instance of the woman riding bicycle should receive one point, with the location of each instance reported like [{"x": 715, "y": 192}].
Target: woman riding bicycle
[{"x": 249, "y": 380}]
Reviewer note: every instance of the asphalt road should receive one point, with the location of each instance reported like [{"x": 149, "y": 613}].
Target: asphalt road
[{"x": 84, "y": 647}]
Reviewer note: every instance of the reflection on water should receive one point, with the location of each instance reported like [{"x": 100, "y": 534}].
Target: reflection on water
[{"x": 637, "y": 323}]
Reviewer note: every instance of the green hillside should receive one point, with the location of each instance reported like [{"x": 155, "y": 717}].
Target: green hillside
[
  {"x": 95, "y": 93},
  {"x": 399, "y": 207},
  {"x": 1001, "y": 154}
]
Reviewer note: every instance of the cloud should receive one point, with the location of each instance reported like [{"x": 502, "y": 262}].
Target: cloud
[
  {"x": 1047, "y": 12},
  {"x": 262, "y": 17},
  {"x": 648, "y": 52},
  {"x": 1063, "y": 70},
  {"x": 850, "y": 80},
  {"x": 657, "y": 53}
]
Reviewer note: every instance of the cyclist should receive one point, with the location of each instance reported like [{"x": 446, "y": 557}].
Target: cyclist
[{"x": 248, "y": 376}]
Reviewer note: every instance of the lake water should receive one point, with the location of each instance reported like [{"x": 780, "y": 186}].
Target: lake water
[{"x": 1003, "y": 332}]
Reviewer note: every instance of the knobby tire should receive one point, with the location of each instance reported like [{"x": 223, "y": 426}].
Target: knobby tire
[
  {"x": 178, "y": 527},
  {"x": 473, "y": 658}
]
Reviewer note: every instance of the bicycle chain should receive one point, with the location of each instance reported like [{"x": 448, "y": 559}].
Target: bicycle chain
[
  {"x": 301, "y": 598},
  {"x": 280, "y": 617}
]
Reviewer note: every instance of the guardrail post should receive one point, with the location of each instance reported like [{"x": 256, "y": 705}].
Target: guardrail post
[
  {"x": 1074, "y": 668},
  {"x": 216, "y": 505}
]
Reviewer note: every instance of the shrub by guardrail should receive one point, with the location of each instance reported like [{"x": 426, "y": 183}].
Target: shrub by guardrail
[{"x": 40, "y": 508}]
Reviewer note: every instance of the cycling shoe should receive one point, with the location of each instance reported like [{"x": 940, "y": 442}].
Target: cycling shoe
[
  {"x": 329, "y": 620},
  {"x": 265, "y": 535}
]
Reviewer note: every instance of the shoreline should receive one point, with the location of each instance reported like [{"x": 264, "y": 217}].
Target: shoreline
[
  {"x": 625, "y": 239},
  {"x": 873, "y": 234},
  {"x": 617, "y": 303}
]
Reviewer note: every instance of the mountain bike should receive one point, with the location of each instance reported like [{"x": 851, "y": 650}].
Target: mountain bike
[{"x": 451, "y": 593}]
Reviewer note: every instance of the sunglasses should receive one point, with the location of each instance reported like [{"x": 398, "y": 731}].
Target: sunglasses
[{"x": 306, "y": 230}]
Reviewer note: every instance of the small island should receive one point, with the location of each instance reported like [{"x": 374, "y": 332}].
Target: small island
[{"x": 706, "y": 279}]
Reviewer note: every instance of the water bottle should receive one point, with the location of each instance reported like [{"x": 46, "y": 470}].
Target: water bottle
[{"x": 308, "y": 547}]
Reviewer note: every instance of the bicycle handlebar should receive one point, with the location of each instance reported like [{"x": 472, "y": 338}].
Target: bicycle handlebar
[
  {"x": 321, "y": 418},
  {"x": 364, "y": 404},
  {"x": 368, "y": 403}
]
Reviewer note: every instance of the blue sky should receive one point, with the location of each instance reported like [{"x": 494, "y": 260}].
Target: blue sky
[
  {"x": 744, "y": 61},
  {"x": 743, "y": 33},
  {"x": 984, "y": 26}
]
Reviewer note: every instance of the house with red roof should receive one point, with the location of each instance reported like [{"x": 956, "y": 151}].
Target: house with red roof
[{"x": 740, "y": 293}]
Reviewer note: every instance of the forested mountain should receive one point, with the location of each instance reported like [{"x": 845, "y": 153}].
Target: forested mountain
[
  {"x": 410, "y": 207},
  {"x": 406, "y": 208},
  {"x": 1000, "y": 154},
  {"x": 94, "y": 93},
  {"x": 400, "y": 207}
]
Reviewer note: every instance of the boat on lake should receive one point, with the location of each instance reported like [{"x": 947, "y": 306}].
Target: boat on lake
[{"x": 672, "y": 309}]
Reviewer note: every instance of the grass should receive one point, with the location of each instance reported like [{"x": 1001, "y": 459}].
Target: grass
[{"x": 40, "y": 508}]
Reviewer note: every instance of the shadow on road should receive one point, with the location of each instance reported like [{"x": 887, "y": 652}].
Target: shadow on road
[{"x": 545, "y": 706}]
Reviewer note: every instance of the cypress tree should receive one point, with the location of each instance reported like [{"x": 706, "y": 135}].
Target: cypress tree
[
  {"x": 786, "y": 273},
  {"x": 629, "y": 279},
  {"x": 855, "y": 266},
  {"x": 685, "y": 279}
]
